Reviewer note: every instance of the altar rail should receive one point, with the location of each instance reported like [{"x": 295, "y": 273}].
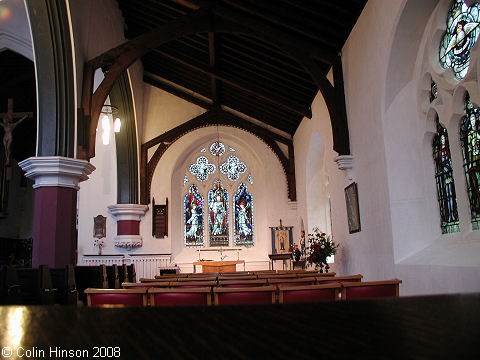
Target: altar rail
[{"x": 146, "y": 265}]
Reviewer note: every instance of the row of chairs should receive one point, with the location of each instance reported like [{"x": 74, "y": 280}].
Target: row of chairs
[
  {"x": 242, "y": 281},
  {"x": 64, "y": 286},
  {"x": 37, "y": 286},
  {"x": 242, "y": 295}
]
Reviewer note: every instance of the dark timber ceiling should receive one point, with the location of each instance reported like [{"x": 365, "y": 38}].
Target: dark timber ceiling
[{"x": 235, "y": 70}]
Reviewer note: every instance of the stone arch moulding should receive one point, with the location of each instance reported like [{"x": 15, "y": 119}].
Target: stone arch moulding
[
  {"x": 214, "y": 117},
  {"x": 215, "y": 19}
]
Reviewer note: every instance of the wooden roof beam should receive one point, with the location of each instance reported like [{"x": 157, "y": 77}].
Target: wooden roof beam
[{"x": 249, "y": 88}]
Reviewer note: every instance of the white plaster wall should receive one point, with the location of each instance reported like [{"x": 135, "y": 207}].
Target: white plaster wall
[
  {"x": 14, "y": 28},
  {"x": 95, "y": 33},
  {"x": 365, "y": 58},
  {"x": 165, "y": 111}
]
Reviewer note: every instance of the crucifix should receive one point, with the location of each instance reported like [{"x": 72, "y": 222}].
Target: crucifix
[{"x": 8, "y": 124}]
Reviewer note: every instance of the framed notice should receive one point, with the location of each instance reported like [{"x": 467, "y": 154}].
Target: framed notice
[
  {"x": 353, "y": 211},
  {"x": 282, "y": 239}
]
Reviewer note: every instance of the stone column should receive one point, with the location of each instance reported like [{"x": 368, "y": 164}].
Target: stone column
[
  {"x": 55, "y": 207},
  {"x": 128, "y": 224}
]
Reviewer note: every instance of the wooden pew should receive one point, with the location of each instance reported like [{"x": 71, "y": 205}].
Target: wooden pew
[
  {"x": 371, "y": 289},
  {"x": 90, "y": 277},
  {"x": 36, "y": 285},
  {"x": 332, "y": 279},
  {"x": 308, "y": 293},
  {"x": 63, "y": 281},
  {"x": 244, "y": 295},
  {"x": 116, "y": 297},
  {"x": 242, "y": 283},
  {"x": 180, "y": 296},
  {"x": 193, "y": 283}
]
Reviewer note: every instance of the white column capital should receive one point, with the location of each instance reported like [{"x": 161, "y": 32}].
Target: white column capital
[
  {"x": 345, "y": 162},
  {"x": 128, "y": 211},
  {"x": 56, "y": 171}
]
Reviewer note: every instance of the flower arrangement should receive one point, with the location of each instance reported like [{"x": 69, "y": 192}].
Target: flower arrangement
[
  {"x": 321, "y": 247},
  {"x": 100, "y": 244}
]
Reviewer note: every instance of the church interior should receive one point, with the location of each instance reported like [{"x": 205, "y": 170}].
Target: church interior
[{"x": 177, "y": 136}]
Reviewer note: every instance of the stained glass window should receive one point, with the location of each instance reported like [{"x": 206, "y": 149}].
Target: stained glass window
[
  {"x": 233, "y": 167},
  {"x": 459, "y": 38},
  {"x": 217, "y": 149},
  {"x": 470, "y": 140},
  {"x": 203, "y": 150},
  {"x": 202, "y": 168},
  {"x": 433, "y": 91},
  {"x": 447, "y": 199},
  {"x": 250, "y": 179},
  {"x": 218, "y": 215},
  {"x": 231, "y": 149},
  {"x": 193, "y": 218},
  {"x": 243, "y": 217},
  {"x": 185, "y": 180}
]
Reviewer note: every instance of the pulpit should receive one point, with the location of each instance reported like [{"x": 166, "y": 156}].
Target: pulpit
[{"x": 218, "y": 266}]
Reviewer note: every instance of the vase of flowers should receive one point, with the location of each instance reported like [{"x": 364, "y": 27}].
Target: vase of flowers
[
  {"x": 99, "y": 243},
  {"x": 321, "y": 247}
]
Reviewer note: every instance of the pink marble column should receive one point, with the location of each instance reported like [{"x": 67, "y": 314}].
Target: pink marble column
[
  {"x": 128, "y": 218},
  {"x": 55, "y": 207}
]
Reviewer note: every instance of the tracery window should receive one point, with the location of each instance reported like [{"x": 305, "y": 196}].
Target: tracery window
[
  {"x": 193, "y": 218},
  {"x": 461, "y": 34},
  {"x": 470, "y": 140},
  {"x": 220, "y": 206},
  {"x": 447, "y": 199},
  {"x": 243, "y": 217}
]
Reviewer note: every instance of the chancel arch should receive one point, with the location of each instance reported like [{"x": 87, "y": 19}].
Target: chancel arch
[{"x": 262, "y": 176}]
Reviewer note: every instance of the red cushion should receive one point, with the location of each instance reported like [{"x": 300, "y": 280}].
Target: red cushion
[
  {"x": 364, "y": 292},
  {"x": 245, "y": 298},
  {"x": 117, "y": 299},
  {"x": 180, "y": 299},
  {"x": 313, "y": 295}
]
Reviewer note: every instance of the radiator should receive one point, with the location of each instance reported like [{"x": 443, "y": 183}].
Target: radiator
[{"x": 146, "y": 266}]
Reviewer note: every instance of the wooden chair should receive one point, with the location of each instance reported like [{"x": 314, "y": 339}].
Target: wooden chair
[
  {"x": 90, "y": 277},
  {"x": 147, "y": 280},
  {"x": 243, "y": 277},
  {"x": 63, "y": 282},
  {"x": 180, "y": 296},
  {"x": 116, "y": 297},
  {"x": 10, "y": 289},
  {"x": 308, "y": 293},
  {"x": 242, "y": 283},
  {"x": 332, "y": 279},
  {"x": 132, "y": 275},
  {"x": 36, "y": 286},
  {"x": 244, "y": 295},
  {"x": 371, "y": 289},
  {"x": 112, "y": 277},
  {"x": 292, "y": 281},
  {"x": 122, "y": 273},
  {"x": 277, "y": 276},
  {"x": 145, "y": 285},
  {"x": 192, "y": 283},
  {"x": 190, "y": 279}
]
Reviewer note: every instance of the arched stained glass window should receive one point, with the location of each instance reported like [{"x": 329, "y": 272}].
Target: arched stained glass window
[
  {"x": 459, "y": 38},
  {"x": 470, "y": 139},
  {"x": 193, "y": 218},
  {"x": 447, "y": 199},
  {"x": 218, "y": 215},
  {"x": 217, "y": 148},
  {"x": 243, "y": 217}
]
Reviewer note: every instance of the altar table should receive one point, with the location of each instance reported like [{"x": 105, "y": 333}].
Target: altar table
[{"x": 218, "y": 266}]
